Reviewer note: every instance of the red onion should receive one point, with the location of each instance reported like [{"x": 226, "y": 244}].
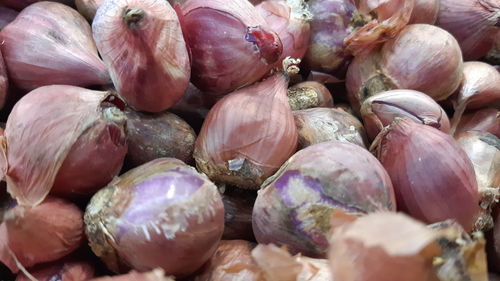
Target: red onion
[
  {"x": 485, "y": 120},
  {"x": 72, "y": 270},
  {"x": 50, "y": 43},
  {"x": 493, "y": 56},
  {"x": 317, "y": 125},
  {"x": 473, "y": 22},
  {"x": 295, "y": 205},
  {"x": 380, "y": 110},
  {"x": 21, "y": 4},
  {"x": 425, "y": 11},
  {"x": 290, "y": 20},
  {"x": 408, "y": 62},
  {"x": 43, "y": 233},
  {"x": 163, "y": 206},
  {"x": 141, "y": 41},
  {"x": 154, "y": 275},
  {"x": 152, "y": 136},
  {"x": 6, "y": 16},
  {"x": 238, "y": 205},
  {"x": 309, "y": 94},
  {"x": 66, "y": 138},
  {"x": 383, "y": 246},
  {"x": 4, "y": 82},
  {"x": 239, "y": 49},
  {"x": 234, "y": 143},
  {"x": 88, "y": 8},
  {"x": 433, "y": 178}
]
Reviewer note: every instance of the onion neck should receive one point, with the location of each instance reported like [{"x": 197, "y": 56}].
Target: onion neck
[{"x": 133, "y": 17}]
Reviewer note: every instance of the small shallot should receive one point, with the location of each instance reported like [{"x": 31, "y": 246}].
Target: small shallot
[
  {"x": 50, "y": 43},
  {"x": 71, "y": 270},
  {"x": 309, "y": 94}
]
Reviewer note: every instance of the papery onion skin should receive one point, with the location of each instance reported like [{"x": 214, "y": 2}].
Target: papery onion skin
[
  {"x": 329, "y": 27},
  {"x": 72, "y": 270},
  {"x": 290, "y": 20},
  {"x": 231, "y": 44},
  {"x": 309, "y": 94},
  {"x": 233, "y": 144},
  {"x": 145, "y": 52},
  {"x": 480, "y": 87},
  {"x": 4, "y": 82},
  {"x": 425, "y": 11},
  {"x": 154, "y": 275},
  {"x": 295, "y": 205},
  {"x": 44, "y": 233},
  {"x": 380, "y": 110},
  {"x": 238, "y": 205},
  {"x": 163, "y": 206},
  {"x": 321, "y": 124},
  {"x": 158, "y": 135},
  {"x": 418, "y": 159},
  {"x": 486, "y": 120},
  {"x": 383, "y": 246},
  {"x": 50, "y": 43},
  {"x": 66, "y": 137},
  {"x": 473, "y": 23},
  {"x": 88, "y": 8},
  {"x": 6, "y": 16}
]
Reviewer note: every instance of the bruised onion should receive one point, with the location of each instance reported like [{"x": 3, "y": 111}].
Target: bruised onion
[
  {"x": 144, "y": 50},
  {"x": 408, "y": 62},
  {"x": 425, "y": 11},
  {"x": 154, "y": 275},
  {"x": 290, "y": 20},
  {"x": 234, "y": 143},
  {"x": 383, "y": 246},
  {"x": 62, "y": 138},
  {"x": 231, "y": 44},
  {"x": 380, "y": 110},
  {"x": 317, "y": 125},
  {"x": 43, "y": 233},
  {"x": 151, "y": 136},
  {"x": 50, "y": 43},
  {"x": 72, "y": 270},
  {"x": 473, "y": 23},
  {"x": 6, "y": 16},
  {"x": 309, "y": 94},
  {"x": 426, "y": 167},
  {"x": 88, "y": 8},
  {"x": 295, "y": 205},
  {"x": 4, "y": 82},
  {"x": 161, "y": 214}
]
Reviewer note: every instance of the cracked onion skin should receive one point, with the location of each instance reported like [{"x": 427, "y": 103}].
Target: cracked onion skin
[
  {"x": 50, "y": 43},
  {"x": 295, "y": 205},
  {"x": 142, "y": 44},
  {"x": 160, "y": 214},
  {"x": 433, "y": 177},
  {"x": 230, "y": 43}
]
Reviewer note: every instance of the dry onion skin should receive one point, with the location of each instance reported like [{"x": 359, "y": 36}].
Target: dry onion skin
[
  {"x": 153, "y": 275},
  {"x": 294, "y": 206},
  {"x": 50, "y": 43},
  {"x": 142, "y": 44},
  {"x": 62, "y": 138},
  {"x": 163, "y": 206},
  {"x": 426, "y": 166},
  {"x": 309, "y": 94},
  {"x": 88, "y": 8},
  {"x": 73, "y": 270}
]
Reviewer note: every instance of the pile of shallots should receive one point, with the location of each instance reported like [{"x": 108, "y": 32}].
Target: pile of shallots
[{"x": 268, "y": 140}]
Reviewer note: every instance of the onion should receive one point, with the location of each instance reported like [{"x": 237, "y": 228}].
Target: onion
[
  {"x": 88, "y": 8},
  {"x": 154, "y": 275},
  {"x": 316, "y": 125},
  {"x": 408, "y": 62},
  {"x": 418, "y": 159},
  {"x": 295, "y": 205},
  {"x": 233, "y": 144},
  {"x": 21, "y": 4},
  {"x": 493, "y": 56},
  {"x": 50, "y": 43},
  {"x": 152, "y": 136},
  {"x": 163, "y": 206},
  {"x": 485, "y": 120},
  {"x": 6, "y": 16},
  {"x": 44, "y": 233},
  {"x": 425, "y": 11},
  {"x": 290, "y": 20},
  {"x": 64, "y": 138},
  {"x": 383, "y": 246},
  {"x": 309, "y": 94},
  {"x": 238, "y": 205},
  {"x": 473, "y": 22},
  {"x": 141, "y": 42},
  {"x": 73, "y": 270},
  {"x": 380, "y": 110},
  {"x": 4, "y": 82},
  {"x": 239, "y": 49}
]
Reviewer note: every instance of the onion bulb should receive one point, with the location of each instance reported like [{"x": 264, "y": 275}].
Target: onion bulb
[
  {"x": 50, "y": 43},
  {"x": 6, "y": 16},
  {"x": 73, "y": 270},
  {"x": 485, "y": 120},
  {"x": 88, "y": 8},
  {"x": 309, "y": 94},
  {"x": 425, "y": 11}
]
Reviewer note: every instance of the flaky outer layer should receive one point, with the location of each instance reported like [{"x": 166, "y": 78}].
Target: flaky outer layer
[
  {"x": 40, "y": 132},
  {"x": 50, "y": 43},
  {"x": 146, "y": 53}
]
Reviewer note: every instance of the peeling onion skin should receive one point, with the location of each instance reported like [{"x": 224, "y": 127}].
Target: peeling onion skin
[
  {"x": 152, "y": 136},
  {"x": 230, "y": 43},
  {"x": 163, "y": 206},
  {"x": 88, "y": 8},
  {"x": 295, "y": 205},
  {"x": 316, "y": 125},
  {"x": 6, "y": 16},
  {"x": 71, "y": 270},
  {"x": 233, "y": 144},
  {"x": 383, "y": 246},
  {"x": 473, "y": 22},
  {"x": 44, "y": 233},
  {"x": 21, "y": 4},
  {"x": 48, "y": 144},
  {"x": 425, "y": 11},
  {"x": 154, "y": 275},
  {"x": 419, "y": 159},
  {"x": 50, "y": 43},
  {"x": 145, "y": 52},
  {"x": 380, "y": 110},
  {"x": 480, "y": 87},
  {"x": 4, "y": 82}
]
